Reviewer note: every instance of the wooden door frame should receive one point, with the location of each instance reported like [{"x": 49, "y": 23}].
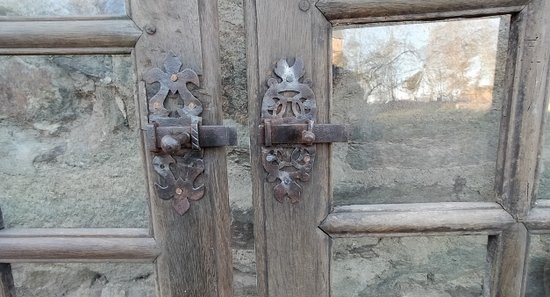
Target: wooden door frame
[
  {"x": 191, "y": 253},
  {"x": 293, "y": 254}
]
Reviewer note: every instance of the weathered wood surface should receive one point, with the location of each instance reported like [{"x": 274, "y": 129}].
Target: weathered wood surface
[
  {"x": 507, "y": 256},
  {"x": 538, "y": 220},
  {"x": 417, "y": 219},
  {"x": 528, "y": 84},
  {"x": 68, "y": 36},
  {"x": 77, "y": 245},
  {"x": 195, "y": 255},
  {"x": 293, "y": 255},
  {"x": 361, "y": 11},
  {"x": 7, "y": 286},
  {"x": 76, "y": 232}
]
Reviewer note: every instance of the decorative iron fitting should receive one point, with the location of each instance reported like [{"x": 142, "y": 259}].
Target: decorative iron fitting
[
  {"x": 176, "y": 135},
  {"x": 288, "y": 131}
]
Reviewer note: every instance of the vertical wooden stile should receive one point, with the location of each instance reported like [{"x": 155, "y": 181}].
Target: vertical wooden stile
[{"x": 195, "y": 255}]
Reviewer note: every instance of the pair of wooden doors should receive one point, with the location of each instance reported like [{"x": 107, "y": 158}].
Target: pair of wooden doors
[{"x": 191, "y": 251}]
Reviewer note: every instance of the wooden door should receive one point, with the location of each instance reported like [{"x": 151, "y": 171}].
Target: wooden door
[
  {"x": 188, "y": 241},
  {"x": 295, "y": 237}
]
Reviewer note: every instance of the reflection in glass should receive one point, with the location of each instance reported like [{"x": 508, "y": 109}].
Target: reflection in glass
[
  {"x": 31, "y": 8},
  {"x": 422, "y": 108},
  {"x": 409, "y": 266},
  {"x": 69, "y": 146},
  {"x": 79, "y": 280},
  {"x": 544, "y": 183},
  {"x": 538, "y": 275}
]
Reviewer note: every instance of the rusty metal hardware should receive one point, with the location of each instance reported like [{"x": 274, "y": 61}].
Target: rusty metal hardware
[
  {"x": 288, "y": 131},
  {"x": 177, "y": 137}
]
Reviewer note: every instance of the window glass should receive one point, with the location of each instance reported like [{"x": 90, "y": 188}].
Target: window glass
[
  {"x": 69, "y": 144},
  {"x": 79, "y": 280},
  {"x": 423, "y": 105},
  {"x": 31, "y": 8},
  {"x": 409, "y": 266}
]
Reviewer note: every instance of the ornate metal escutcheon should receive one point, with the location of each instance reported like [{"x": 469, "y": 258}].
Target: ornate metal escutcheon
[
  {"x": 288, "y": 130},
  {"x": 176, "y": 136}
]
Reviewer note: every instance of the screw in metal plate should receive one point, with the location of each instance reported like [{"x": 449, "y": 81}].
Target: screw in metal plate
[
  {"x": 304, "y": 5},
  {"x": 179, "y": 191},
  {"x": 150, "y": 29}
]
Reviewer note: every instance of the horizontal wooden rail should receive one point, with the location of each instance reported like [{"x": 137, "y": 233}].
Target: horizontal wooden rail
[
  {"x": 538, "y": 220},
  {"x": 372, "y": 11},
  {"x": 71, "y": 36},
  {"x": 417, "y": 219},
  {"x": 77, "y": 245}
]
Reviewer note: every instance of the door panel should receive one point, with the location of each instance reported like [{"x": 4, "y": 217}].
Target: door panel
[
  {"x": 465, "y": 144},
  {"x": 190, "y": 252},
  {"x": 290, "y": 249}
]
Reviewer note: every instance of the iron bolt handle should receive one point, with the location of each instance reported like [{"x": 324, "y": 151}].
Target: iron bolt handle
[
  {"x": 171, "y": 144},
  {"x": 307, "y": 135}
]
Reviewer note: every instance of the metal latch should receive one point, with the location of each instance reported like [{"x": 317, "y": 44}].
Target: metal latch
[
  {"x": 288, "y": 131},
  {"x": 177, "y": 137}
]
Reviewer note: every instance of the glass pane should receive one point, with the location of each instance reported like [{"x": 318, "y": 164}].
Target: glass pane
[
  {"x": 409, "y": 266},
  {"x": 538, "y": 277},
  {"x": 423, "y": 104},
  {"x": 84, "y": 280},
  {"x": 544, "y": 184},
  {"x": 69, "y": 146},
  {"x": 31, "y": 8}
]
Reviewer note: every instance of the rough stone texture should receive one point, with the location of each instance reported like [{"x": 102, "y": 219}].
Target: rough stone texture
[
  {"x": 62, "y": 7},
  {"x": 538, "y": 275},
  {"x": 69, "y": 129},
  {"x": 79, "y": 280},
  {"x": 69, "y": 144},
  {"x": 409, "y": 266},
  {"x": 416, "y": 147}
]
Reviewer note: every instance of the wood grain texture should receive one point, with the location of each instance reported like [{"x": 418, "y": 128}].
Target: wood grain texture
[
  {"x": 507, "y": 256},
  {"x": 67, "y": 51},
  {"x": 76, "y": 232},
  {"x": 77, "y": 245},
  {"x": 361, "y": 11},
  {"x": 7, "y": 286},
  {"x": 68, "y": 36},
  {"x": 195, "y": 255},
  {"x": 538, "y": 220},
  {"x": 528, "y": 84},
  {"x": 293, "y": 255},
  {"x": 417, "y": 219}
]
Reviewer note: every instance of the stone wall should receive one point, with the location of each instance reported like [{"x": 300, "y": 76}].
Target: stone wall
[{"x": 68, "y": 158}]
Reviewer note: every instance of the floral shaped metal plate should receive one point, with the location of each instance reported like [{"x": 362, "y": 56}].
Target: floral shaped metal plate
[{"x": 288, "y": 100}]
